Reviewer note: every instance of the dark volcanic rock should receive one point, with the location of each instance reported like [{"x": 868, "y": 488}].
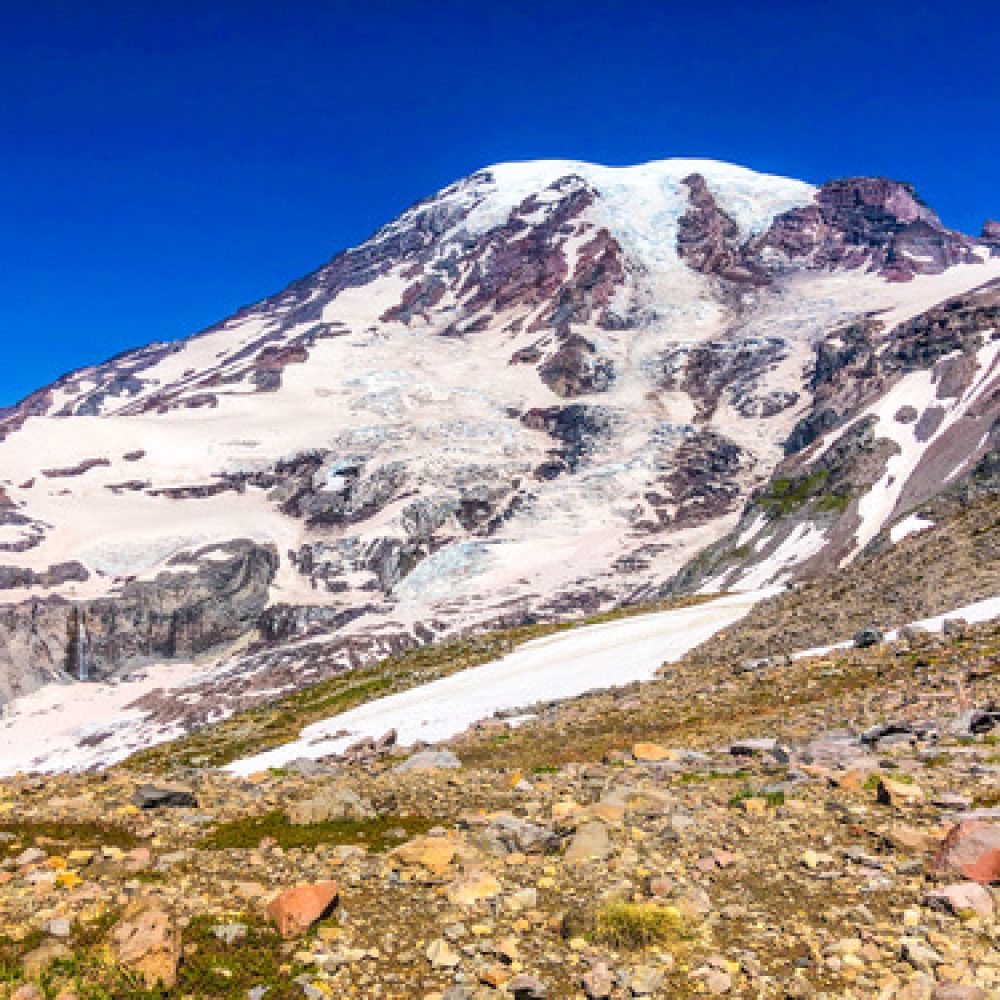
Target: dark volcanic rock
[
  {"x": 179, "y": 614},
  {"x": 155, "y": 797}
]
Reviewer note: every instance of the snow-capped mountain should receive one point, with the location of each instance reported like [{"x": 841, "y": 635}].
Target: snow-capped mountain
[{"x": 551, "y": 387}]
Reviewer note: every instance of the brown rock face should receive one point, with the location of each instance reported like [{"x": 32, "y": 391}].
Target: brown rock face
[
  {"x": 296, "y": 910},
  {"x": 709, "y": 240},
  {"x": 991, "y": 233},
  {"x": 972, "y": 848},
  {"x": 870, "y": 222},
  {"x": 146, "y": 941}
]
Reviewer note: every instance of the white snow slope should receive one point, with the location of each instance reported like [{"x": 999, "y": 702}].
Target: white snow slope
[{"x": 555, "y": 667}]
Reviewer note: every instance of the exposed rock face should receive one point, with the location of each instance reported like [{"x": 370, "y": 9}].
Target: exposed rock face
[
  {"x": 710, "y": 241},
  {"x": 869, "y": 222},
  {"x": 179, "y": 614}
]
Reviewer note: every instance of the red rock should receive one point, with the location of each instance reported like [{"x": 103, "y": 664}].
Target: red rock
[
  {"x": 661, "y": 886},
  {"x": 296, "y": 910},
  {"x": 971, "y": 848}
]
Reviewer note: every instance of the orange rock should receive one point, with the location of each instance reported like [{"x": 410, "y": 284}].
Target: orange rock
[
  {"x": 296, "y": 910},
  {"x": 652, "y": 752}
]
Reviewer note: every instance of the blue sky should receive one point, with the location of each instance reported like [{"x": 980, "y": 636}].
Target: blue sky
[{"x": 164, "y": 163}]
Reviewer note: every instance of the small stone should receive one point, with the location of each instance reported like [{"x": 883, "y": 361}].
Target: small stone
[
  {"x": 962, "y": 898},
  {"x": 918, "y": 954},
  {"x": 645, "y": 981},
  {"x": 59, "y": 927},
  {"x": 599, "y": 982},
  {"x": 898, "y": 793},
  {"x": 525, "y": 987},
  {"x": 473, "y": 888},
  {"x": 590, "y": 843},
  {"x": 441, "y": 955}
]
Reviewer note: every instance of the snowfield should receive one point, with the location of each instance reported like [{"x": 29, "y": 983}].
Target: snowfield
[{"x": 555, "y": 667}]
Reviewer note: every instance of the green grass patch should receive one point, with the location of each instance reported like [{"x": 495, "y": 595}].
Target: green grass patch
[
  {"x": 67, "y": 834},
  {"x": 697, "y": 777},
  {"x": 773, "y": 799},
  {"x": 376, "y": 835},
  {"x": 787, "y": 495},
  {"x": 871, "y": 782}
]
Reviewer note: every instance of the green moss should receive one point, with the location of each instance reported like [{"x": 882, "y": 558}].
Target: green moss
[
  {"x": 773, "y": 799},
  {"x": 212, "y": 968},
  {"x": 376, "y": 835},
  {"x": 786, "y": 495},
  {"x": 67, "y": 834},
  {"x": 696, "y": 777}
]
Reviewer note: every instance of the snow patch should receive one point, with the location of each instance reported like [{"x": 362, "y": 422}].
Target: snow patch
[
  {"x": 909, "y": 526},
  {"x": 556, "y": 667}
]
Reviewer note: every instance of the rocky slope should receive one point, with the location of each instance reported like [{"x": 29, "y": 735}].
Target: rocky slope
[
  {"x": 812, "y": 828},
  {"x": 541, "y": 392}
]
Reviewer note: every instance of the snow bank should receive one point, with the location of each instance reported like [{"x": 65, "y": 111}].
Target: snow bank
[
  {"x": 556, "y": 667},
  {"x": 909, "y": 526}
]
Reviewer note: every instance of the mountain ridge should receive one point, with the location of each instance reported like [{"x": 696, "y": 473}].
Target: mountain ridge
[{"x": 540, "y": 392}]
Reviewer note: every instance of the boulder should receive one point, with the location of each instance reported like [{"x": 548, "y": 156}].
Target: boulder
[
  {"x": 164, "y": 796},
  {"x": 433, "y": 853},
  {"x": 331, "y": 805},
  {"x": 473, "y": 888},
  {"x": 296, "y": 910},
  {"x": 971, "y": 849},
  {"x": 898, "y": 793},
  {"x": 429, "y": 760},
  {"x": 867, "y": 637},
  {"x": 652, "y": 753},
  {"x": 590, "y": 843},
  {"x": 146, "y": 941}
]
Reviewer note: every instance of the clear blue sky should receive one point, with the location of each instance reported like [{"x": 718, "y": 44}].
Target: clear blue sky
[{"x": 165, "y": 162}]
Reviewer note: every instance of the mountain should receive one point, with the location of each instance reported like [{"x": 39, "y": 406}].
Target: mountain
[{"x": 549, "y": 389}]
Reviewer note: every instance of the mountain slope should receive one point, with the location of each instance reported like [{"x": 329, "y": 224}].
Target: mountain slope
[{"x": 543, "y": 390}]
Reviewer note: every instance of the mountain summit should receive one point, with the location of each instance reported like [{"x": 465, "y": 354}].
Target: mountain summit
[{"x": 550, "y": 388}]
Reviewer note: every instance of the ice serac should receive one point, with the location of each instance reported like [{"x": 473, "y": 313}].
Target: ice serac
[{"x": 542, "y": 391}]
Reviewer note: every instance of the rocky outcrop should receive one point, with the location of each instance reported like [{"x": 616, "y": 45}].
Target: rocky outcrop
[
  {"x": 216, "y": 599},
  {"x": 870, "y": 222},
  {"x": 710, "y": 241}
]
